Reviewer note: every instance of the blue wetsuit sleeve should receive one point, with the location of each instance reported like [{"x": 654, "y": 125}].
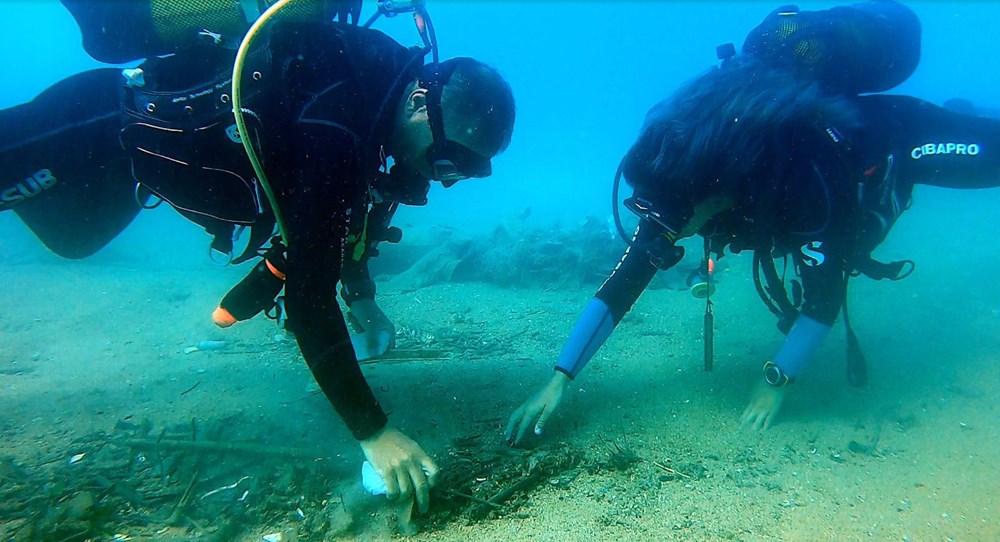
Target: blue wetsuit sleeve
[
  {"x": 822, "y": 272},
  {"x": 591, "y": 330},
  {"x": 615, "y": 297},
  {"x": 804, "y": 338}
]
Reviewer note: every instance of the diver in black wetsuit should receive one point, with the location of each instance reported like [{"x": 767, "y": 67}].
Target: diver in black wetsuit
[
  {"x": 767, "y": 154},
  {"x": 327, "y": 107}
]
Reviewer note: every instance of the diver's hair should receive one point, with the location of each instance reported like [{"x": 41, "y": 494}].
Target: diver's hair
[
  {"x": 478, "y": 92},
  {"x": 713, "y": 133}
]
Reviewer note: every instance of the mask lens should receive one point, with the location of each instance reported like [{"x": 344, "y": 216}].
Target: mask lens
[
  {"x": 452, "y": 162},
  {"x": 447, "y": 173}
]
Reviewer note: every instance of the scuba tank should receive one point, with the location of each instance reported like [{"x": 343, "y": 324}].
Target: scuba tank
[
  {"x": 124, "y": 30},
  {"x": 866, "y": 47}
]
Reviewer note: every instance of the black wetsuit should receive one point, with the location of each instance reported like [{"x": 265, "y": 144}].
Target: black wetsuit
[
  {"x": 320, "y": 102},
  {"x": 827, "y": 200},
  {"x": 323, "y": 146}
]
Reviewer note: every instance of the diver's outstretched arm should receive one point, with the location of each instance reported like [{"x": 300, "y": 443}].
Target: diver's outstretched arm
[{"x": 937, "y": 146}]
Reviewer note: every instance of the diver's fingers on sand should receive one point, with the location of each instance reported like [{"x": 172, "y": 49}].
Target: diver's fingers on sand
[
  {"x": 431, "y": 469},
  {"x": 522, "y": 429},
  {"x": 760, "y": 421},
  {"x": 768, "y": 420},
  {"x": 752, "y": 419},
  {"x": 402, "y": 474},
  {"x": 421, "y": 488},
  {"x": 543, "y": 418},
  {"x": 508, "y": 432},
  {"x": 391, "y": 486},
  {"x": 526, "y": 422}
]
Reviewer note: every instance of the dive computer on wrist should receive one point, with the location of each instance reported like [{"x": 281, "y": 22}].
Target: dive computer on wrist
[{"x": 774, "y": 376}]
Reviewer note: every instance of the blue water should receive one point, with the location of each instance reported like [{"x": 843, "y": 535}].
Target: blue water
[{"x": 584, "y": 74}]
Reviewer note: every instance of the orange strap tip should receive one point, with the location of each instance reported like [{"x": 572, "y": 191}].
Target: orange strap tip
[{"x": 274, "y": 270}]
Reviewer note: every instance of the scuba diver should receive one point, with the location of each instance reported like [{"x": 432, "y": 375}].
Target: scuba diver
[
  {"x": 335, "y": 125},
  {"x": 779, "y": 152}
]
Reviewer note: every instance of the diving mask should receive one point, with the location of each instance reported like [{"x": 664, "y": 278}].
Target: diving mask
[{"x": 450, "y": 161}]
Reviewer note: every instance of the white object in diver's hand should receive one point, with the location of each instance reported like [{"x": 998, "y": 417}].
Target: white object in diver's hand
[
  {"x": 366, "y": 348},
  {"x": 372, "y": 480}
]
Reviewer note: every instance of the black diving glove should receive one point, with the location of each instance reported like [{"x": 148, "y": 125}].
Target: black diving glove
[{"x": 257, "y": 291}]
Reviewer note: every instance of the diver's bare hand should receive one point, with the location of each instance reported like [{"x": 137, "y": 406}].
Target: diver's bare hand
[
  {"x": 765, "y": 402},
  {"x": 404, "y": 466},
  {"x": 535, "y": 412}
]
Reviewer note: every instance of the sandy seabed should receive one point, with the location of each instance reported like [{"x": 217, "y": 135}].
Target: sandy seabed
[{"x": 95, "y": 350}]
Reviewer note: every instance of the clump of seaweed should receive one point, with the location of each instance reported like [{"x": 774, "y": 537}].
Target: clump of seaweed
[
  {"x": 481, "y": 480},
  {"x": 621, "y": 456}
]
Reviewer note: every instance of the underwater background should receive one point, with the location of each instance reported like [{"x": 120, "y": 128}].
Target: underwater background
[
  {"x": 93, "y": 352},
  {"x": 584, "y": 74}
]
